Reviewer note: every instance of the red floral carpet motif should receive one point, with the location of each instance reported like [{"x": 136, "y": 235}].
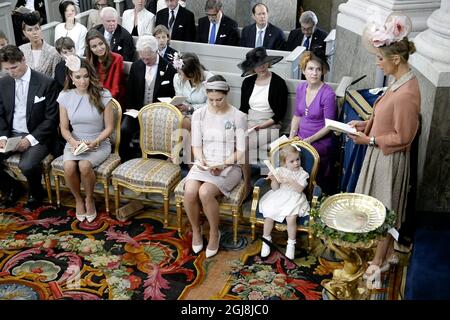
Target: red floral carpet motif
[
  {"x": 48, "y": 254},
  {"x": 275, "y": 278}
]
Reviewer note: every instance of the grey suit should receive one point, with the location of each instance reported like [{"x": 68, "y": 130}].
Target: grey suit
[{"x": 42, "y": 122}]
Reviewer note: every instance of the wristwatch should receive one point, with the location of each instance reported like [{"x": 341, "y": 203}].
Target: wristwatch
[{"x": 372, "y": 141}]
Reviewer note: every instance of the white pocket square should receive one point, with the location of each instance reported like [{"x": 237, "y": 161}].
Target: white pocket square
[
  {"x": 118, "y": 48},
  {"x": 180, "y": 26},
  {"x": 165, "y": 82},
  {"x": 222, "y": 35},
  {"x": 38, "y": 99}
]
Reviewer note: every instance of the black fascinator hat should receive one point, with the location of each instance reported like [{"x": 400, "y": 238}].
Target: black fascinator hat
[{"x": 255, "y": 58}]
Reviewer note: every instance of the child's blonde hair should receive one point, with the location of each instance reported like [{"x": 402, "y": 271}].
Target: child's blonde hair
[{"x": 285, "y": 151}]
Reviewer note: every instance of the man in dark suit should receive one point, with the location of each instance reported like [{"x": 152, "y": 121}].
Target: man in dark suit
[
  {"x": 119, "y": 39},
  {"x": 262, "y": 33},
  {"x": 28, "y": 109},
  {"x": 180, "y": 21},
  {"x": 308, "y": 35},
  {"x": 217, "y": 28},
  {"x": 150, "y": 77}
]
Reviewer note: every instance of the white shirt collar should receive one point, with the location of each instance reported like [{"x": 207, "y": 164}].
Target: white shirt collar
[
  {"x": 175, "y": 11},
  {"x": 26, "y": 76},
  {"x": 263, "y": 29}
]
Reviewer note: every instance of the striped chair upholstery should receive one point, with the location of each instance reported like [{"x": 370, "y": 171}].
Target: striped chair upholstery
[
  {"x": 231, "y": 205},
  {"x": 104, "y": 170},
  {"x": 160, "y": 134},
  {"x": 12, "y": 165},
  {"x": 310, "y": 163}
]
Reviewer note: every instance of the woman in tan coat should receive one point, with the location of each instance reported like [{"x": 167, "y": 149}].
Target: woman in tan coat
[{"x": 389, "y": 132}]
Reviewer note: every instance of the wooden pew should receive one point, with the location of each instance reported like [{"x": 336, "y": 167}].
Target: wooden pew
[
  {"x": 82, "y": 17},
  {"x": 48, "y": 32},
  {"x": 6, "y": 21},
  {"x": 52, "y": 9},
  {"x": 226, "y": 58},
  {"x": 234, "y": 80}
]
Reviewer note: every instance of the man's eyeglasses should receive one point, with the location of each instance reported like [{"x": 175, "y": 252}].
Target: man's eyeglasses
[
  {"x": 212, "y": 15},
  {"x": 101, "y": 5},
  {"x": 307, "y": 29}
]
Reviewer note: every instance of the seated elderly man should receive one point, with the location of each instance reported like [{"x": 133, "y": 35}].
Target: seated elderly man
[
  {"x": 309, "y": 35},
  {"x": 119, "y": 39},
  {"x": 94, "y": 16},
  {"x": 150, "y": 77}
]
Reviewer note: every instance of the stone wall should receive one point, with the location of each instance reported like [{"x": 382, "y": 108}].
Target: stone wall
[{"x": 434, "y": 148}]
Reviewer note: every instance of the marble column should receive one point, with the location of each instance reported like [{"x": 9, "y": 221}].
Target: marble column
[
  {"x": 351, "y": 58},
  {"x": 432, "y": 65}
]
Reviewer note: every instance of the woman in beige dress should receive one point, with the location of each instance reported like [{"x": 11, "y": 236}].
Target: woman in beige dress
[
  {"x": 389, "y": 132},
  {"x": 218, "y": 143}
]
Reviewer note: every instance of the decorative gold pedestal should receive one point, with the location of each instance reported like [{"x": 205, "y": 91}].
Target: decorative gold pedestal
[{"x": 344, "y": 284}]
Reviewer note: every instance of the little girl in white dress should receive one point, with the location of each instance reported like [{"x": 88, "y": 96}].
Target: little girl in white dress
[{"x": 286, "y": 200}]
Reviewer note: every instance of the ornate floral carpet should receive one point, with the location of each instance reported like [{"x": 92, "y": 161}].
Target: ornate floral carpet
[
  {"x": 278, "y": 278},
  {"x": 47, "y": 254}
]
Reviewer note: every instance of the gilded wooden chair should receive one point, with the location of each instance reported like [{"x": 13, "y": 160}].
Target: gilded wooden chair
[
  {"x": 231, "y": 206},
  {"x": 310, "y": 163},
  {"x": 12, "y": 165},
  {"x": 104, "y": 170},
  {"x": 160, "y": 134}
]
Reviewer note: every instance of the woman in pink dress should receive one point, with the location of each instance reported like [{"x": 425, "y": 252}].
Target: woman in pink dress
[{"x": 218, "y": 144}]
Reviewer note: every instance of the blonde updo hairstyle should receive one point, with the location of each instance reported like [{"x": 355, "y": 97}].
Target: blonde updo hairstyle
[
  {"x": 402, "y": 48},
  {"x": 310, "y": 56}
]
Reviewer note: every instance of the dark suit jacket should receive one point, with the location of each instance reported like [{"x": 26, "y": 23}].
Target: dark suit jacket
[
  {"x": 42, "y": 117},
  {"x": 228, "y": 33},
  {"x": 183, "y": 27},
  {"x": 60, "y": 74},
  {"x": 317, "y": 40},
  {"x": 278, "y": 94},
  {"x": 121, "y": 42},
  {"x": 273, "y": 38},
  {"x": 168, "y": 55},
  {"x": 136, "y": 83}
]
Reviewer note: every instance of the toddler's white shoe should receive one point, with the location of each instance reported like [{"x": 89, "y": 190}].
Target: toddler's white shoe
[
  {"x": 265, "y": 249},
  {"x": 290, "y": 249}
]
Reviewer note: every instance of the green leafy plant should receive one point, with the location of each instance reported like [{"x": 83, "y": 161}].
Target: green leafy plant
[{"x": 321, "y": 230}]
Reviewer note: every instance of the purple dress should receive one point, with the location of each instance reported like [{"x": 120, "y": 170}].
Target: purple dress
[{"x": 323, "y": 106}]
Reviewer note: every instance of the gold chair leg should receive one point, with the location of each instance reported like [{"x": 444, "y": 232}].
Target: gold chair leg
[
  {"x": 48, "y": 186},
  {"x": 235, "y": 225},
  {"x": 58, "y": 195},
  {"x": 166, "y": 210},
  {"x": 106, "y": 192},
  {"x": 179, "y": 216},
  {"x": 116, "y": 197},
  {"x": 253, "y": 231}
]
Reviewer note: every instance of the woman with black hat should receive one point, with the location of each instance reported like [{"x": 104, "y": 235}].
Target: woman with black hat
[{"x": 263, "y": 97}]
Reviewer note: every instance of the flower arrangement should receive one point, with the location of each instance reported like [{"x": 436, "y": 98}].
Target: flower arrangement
[
  {"x": 177, "y": 61},
  {"x": 395, "y": 28},
  {"x": 73, "y": 63}
]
